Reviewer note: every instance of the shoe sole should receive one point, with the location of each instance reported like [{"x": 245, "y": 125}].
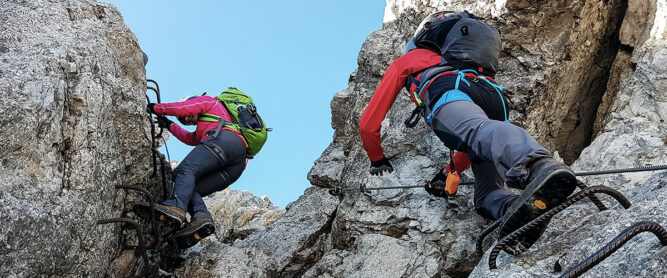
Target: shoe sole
[
  {"x": 553, "y": 188},
  {"x": 165, "y": 218},
  {"x": 187, "y": 239}
]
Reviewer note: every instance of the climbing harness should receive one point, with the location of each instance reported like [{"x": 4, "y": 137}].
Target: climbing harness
[
  {"x": 428, "y": 110},
  {"x": 156, "y": 249}
]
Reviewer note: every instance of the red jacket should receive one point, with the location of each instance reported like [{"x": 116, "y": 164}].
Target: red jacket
[
  {"x": 191, "y": 107},
  {"x": 385, "y": 95}
]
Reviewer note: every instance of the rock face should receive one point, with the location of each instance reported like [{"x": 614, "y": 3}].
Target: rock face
[
  {"x": 287, "y": 248},
  {"x": 73, "y": 126},
  {"x": 586, "y": 79},
  {"x": 634, "y": 136},
  {"x": 239, "y": 213}
]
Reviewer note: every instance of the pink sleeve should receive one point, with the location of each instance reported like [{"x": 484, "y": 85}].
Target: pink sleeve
[
  {"x": 182, "y": 134},
  {"x": 190, "y": 107}
]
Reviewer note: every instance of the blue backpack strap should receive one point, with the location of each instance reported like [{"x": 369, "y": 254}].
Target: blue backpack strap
[{"x": 499, "y": 90}]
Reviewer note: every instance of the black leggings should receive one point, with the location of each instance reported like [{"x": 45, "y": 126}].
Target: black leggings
[{"x": 211, "y": 166}]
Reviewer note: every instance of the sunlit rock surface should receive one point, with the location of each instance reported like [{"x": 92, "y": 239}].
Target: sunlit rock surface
[
  {"x": 73, "y": 126},
  {"x": 586, "y": 78}
]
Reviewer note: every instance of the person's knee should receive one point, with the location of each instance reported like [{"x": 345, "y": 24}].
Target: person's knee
[
  {"x": 183, "y": 171},
  {"x": 213, "y": 182}
]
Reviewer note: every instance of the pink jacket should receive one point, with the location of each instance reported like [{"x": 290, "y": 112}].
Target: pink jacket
[{"x": 195, "y": 106}]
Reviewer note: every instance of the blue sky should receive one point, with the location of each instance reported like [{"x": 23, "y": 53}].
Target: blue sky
[{"x": 290, "y": 56}]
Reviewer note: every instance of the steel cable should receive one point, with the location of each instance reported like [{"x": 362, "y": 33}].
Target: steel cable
[
  {"x": 340, "y": 191},
  {"x": 625, "y": 170}
]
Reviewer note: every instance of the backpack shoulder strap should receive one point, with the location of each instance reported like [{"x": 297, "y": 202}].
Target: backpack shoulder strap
[{"x": 206, "y": 117}]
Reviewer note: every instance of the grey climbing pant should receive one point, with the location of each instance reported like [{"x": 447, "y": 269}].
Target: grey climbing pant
[{"x": 498, "y": 151}]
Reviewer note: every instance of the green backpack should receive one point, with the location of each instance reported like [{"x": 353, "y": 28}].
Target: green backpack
[{"x": 244, "y": 119}]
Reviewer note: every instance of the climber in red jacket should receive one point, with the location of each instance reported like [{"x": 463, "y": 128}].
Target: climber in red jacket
[{"x": 448, "y": 69}]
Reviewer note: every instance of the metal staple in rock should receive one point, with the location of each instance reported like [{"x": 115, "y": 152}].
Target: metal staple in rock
[
  {"x": 489, "y": 229},
  {"x": 615, "y": 244},
  {"x": 140, "y": 236},
  {"x": 147, "y": 195},
  {"x": 153, "y": 142},
  {"x": 483, "y": 234},
  {"x": 502, "y": 243},
  {"x": 146, "y": 269},
  {"x": 154, "y": 136},
  {"x": 592, "y": 197}
]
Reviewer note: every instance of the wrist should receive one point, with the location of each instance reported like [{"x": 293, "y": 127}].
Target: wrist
[{"x": 380, "y": 162}]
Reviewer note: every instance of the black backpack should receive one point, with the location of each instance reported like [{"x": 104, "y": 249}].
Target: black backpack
[{"x": 463, "y": 40}]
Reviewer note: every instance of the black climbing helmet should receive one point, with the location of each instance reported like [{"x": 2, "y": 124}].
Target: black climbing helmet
[
  {"x": 182, "y": 119},
  {"x": 431, "y": 22}
]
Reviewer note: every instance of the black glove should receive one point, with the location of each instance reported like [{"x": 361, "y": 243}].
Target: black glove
[
  {"x": 151, "y": 108},
  {"x": 436, "y": 186},
  {"x": 164, "y": 122},
  {"x": 379, "y": 167}
]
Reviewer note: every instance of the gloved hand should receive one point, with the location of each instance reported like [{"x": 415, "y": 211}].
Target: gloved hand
[
  {"x": 164, "y": 122},
  {"x": 151, "y": 108},
  {"x": 436, "y": 186},
  {"x": 379, "y": 167}
]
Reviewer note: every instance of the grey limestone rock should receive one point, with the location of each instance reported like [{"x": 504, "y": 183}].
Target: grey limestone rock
[
  {"x": 587, "y": 79},
  {"x": 73, "y": 126},
  {"x": 286, "y": 248},
  {"x": 239, "y": 213},
  {"x": 547, "y": 48},
  {"x": 633, "y": 137}
]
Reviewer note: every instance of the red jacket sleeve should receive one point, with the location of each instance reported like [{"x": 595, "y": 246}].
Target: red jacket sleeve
[
  {"x": 190, "y": 107},
  {"x": 183, "y": 135},
  {"x": 385, "y": 95},
  {"x": 461, "y": 162}
]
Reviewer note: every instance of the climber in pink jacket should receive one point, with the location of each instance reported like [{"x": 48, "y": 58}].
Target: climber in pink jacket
[{"x": 217, "y": 161}]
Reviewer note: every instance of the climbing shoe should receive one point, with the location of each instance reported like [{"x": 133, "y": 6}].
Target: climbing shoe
[
  {"x": 194, "y": 232},
  {"x": 170, "y": 216},
  {"x": 550, "y": 183}
]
